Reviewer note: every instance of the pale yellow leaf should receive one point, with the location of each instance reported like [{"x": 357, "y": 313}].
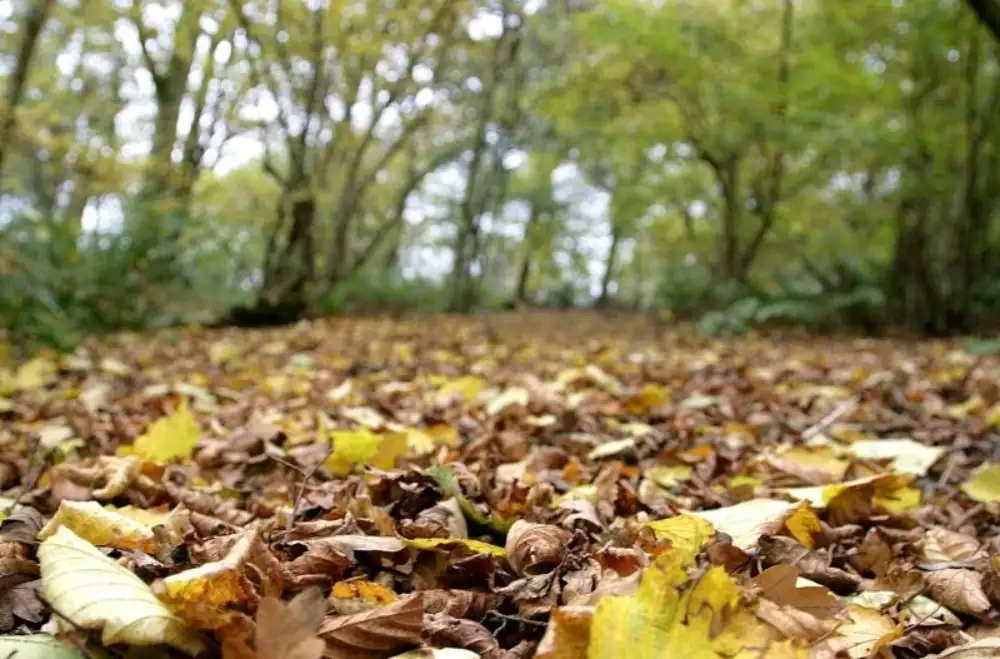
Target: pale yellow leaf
[
  {"x": 984, "y": 484},
  {"x": 35, "y": 646},
  {"x": 94, "y": 592},
  {"x": 99, "y": 526},
  {"x": 745, "y": 522},
  {"x": 907, "y": 455}
]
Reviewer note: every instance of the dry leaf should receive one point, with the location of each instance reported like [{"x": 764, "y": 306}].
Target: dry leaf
[{"x": 374, "y": 634}]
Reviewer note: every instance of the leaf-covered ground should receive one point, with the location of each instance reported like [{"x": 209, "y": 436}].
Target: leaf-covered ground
[{"x": 535, "y": 484}]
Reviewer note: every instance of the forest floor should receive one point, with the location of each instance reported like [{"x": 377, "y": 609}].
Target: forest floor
[{"x": 558, "y": 485}]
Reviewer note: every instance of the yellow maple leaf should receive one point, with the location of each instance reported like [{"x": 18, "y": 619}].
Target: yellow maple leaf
[{"x": 170, "y": 437}]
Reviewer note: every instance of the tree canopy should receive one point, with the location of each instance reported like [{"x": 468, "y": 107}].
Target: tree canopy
[{"x": 814, "y": 162}]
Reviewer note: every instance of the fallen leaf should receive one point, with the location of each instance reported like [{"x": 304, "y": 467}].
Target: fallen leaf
[
  {"x": 907, "y": 456},
  {"x": 35, "y": 646},
  {"x": 984, "y": 484},
  {"x": 959, "y": 590},
  {"x": 376, "y": 633},
  {"x": 354, "y": 448},
  {"x": 169, "y": 438},
  {"x": 100, "y": 526},
  {"x": 745, "y": 522},
  {"x": 705, "y": 619},
  {"x": 94, "y": 592}
]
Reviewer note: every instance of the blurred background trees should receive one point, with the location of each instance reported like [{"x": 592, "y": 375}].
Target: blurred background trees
[{"x": 831, "y": 164}]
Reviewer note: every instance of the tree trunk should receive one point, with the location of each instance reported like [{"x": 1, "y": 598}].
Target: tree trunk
[
  {"x": 33, "y": 24},
  {"x": 988, "y": 12},
  {"x": 609, "y": 269}
]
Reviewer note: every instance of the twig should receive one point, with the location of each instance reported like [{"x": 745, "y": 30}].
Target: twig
[
  {"x": 302, "y": 487},
  {"x": 844, "y": 408},
  {"x": 518, "y": 619}
]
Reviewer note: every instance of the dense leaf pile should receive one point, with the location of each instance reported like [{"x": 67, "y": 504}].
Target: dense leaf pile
[{"x": 510, "y": 486}]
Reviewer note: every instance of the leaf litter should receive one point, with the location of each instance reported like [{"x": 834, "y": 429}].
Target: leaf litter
[{"x": 508, "y": 486}]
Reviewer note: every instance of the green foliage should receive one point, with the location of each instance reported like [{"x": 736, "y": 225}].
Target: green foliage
[
  {"x": 381, "y": 292},
  {"x": 60, "y": 287},
  {"x": 861, "y": 307}
]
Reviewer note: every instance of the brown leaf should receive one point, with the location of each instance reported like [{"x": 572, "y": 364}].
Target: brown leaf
[
  {"x": 534, "y": 549},
  {"x": 777, "y": 584},
  {"x": 461, "y": 603},
  {"x": 792, "y": 622},
  {"x": 22, "y": 525},
  {"x": 959, "y": 590},
  {"x": 289, "y": 630},
  {"x": 442, "y": 630},
  {"x": 942, "y": 545},
  {"x": 22, "y": 601},
  {"x": 374, "y": 634}
]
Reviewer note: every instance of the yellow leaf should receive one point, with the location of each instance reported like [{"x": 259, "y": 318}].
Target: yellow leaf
[
  {"x": 170, "y": 437},
  {"x": 963, "y": 410},
  {"x": 803, "y": 525},
  {"x": 668, "y": 477},
  {"x": 899, "y": 500},
  {"x": 148, "y": 516},
  {"x": 650, "y": 396},
  {"x": 984, "y": 484},
  {"x": 221, "y": 352},
  {"x": 112, "y": 366},
  {"x": 366, "y": 590},
  {"x": 687, "y": 534},
  {"x": 820, "y": 496},
  {"x": 612, "y": 448},
  {"x": 514, "y": 398},
  {"x": 353, "y": 448},
  {"x": 96, "y": 593},
  {"x": 664, "y": 619},
  {"x": 865, "y": 634},
  {"x": 34, "y": 374},
  {"x": 201, "y": 595},
  {"x": 745, "y": 522},
  {"x": 99, "y": 526},
  {"x": 443, "y": 545},
  {"x": 6, "y": 404},
  {"x": 468, "y": 386},
  {"x": 908, "y": 456}
]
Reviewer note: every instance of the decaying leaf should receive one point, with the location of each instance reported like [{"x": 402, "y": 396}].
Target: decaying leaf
[{"x": 376, "y": 633}]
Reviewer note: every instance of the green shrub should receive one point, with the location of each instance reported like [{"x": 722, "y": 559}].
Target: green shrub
[
  {"x": 59, "y": 286},
  {"x": 376, "y": 293}
]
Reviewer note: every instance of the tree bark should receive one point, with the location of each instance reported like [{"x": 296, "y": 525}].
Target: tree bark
[
  {"x": 988, "y": 12},
  {"x": 37, "y": 16}
]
